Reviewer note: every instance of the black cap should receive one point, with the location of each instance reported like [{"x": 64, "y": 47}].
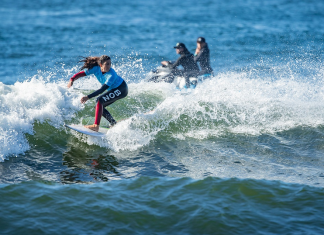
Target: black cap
[
  {"x": 180, "y": 45},
  {"x": 201, "y": 39}
]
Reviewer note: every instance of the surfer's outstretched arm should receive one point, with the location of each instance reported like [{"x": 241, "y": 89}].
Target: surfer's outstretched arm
[{"x": 75, "y": 77}]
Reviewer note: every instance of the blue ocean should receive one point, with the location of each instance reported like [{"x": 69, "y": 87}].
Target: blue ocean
[{"x": 243, "y": 153}]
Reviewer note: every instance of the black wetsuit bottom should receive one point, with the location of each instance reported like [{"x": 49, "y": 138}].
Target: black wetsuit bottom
[{"x": 110, "y": 97}]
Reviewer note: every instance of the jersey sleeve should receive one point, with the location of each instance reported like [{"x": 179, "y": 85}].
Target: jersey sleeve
[{"x": 78, "y": 75}]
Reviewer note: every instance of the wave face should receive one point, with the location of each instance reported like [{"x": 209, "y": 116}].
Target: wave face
[
  {"x": 227, "y": 126},
  {"x": 228, "y": 104}
]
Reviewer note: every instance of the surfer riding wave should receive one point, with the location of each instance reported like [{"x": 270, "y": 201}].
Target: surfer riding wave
[{"x": 115, "y": 86}]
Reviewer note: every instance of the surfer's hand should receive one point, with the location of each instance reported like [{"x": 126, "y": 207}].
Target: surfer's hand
[
  {"x": 165, "y": 63},
  {"x": 70, "y": 83},
  {"x": 84, "y": 99}
]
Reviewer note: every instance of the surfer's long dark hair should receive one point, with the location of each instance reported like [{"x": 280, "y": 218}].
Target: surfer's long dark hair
[{"x": 92, "y": 61}]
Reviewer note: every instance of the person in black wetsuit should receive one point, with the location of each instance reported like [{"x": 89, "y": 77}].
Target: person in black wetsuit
[
  {"x": 186, "y": 60},
  {"x": 202, "y": 55}
]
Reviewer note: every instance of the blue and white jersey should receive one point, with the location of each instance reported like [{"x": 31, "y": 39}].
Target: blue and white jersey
[{"x": 110, "y": 78}]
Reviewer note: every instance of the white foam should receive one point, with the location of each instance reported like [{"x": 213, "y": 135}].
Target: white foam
[
  {"x": 228, "y": 103},
  {"x": 233, "y": 102},
  {"x": 31, "y": 101}
]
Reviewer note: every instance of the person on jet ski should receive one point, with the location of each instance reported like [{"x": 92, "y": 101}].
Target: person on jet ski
[
  {"x": 186, "y": 60},
  {"x": 202, "y": 56}
]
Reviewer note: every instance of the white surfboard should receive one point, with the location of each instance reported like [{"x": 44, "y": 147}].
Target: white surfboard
[
  {"x": 80, "y": 128},
  {"x": 102, "y": 130}
]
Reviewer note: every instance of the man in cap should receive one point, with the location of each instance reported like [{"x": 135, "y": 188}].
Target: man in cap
[
  {"x": 202, "y": 55},
  {"x": 186, "y": 60}
]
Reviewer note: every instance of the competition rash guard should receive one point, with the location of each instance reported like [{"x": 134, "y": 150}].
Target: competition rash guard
[{"x": 109, "y": 80}]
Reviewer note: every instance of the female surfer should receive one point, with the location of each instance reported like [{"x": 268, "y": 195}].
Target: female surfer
[{"x": 116, "y": 87}]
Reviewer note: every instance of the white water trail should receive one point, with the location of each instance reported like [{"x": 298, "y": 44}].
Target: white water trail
[{"x": 228, "y": 103}]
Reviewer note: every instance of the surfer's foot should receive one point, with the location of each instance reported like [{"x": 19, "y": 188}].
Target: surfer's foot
[{"x": 93, "y": 127}]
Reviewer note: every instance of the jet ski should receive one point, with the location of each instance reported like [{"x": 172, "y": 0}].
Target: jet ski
[{"x": 168, "y": 75}]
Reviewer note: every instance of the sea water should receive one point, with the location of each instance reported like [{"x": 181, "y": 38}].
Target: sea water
[{"x": 240, "y": 154}]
